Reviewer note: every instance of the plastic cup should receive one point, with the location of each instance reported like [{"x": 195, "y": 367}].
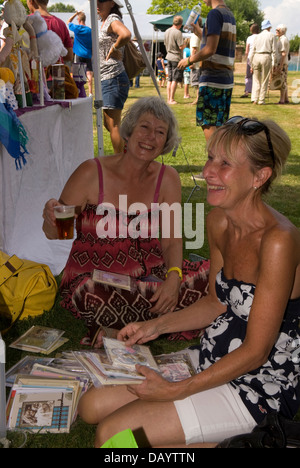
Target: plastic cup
[{"x": 65, "y": 215}]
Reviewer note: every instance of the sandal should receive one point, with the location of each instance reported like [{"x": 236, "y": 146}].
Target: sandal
[{"x": 275, "y": 431}]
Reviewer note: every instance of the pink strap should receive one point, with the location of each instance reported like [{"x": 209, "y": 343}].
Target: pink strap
[
  {"x": 159, "y": 180},
  {"x": 100, "y": 176}
]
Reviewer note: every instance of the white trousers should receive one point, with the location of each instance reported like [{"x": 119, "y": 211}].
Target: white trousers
[{"x": 262, "y": 65}]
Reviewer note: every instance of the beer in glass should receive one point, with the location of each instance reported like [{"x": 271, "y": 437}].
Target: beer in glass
[{"x": 65, "y": 215}]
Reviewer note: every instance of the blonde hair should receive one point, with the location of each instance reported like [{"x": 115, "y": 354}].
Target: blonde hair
[
  {"x": 256, "y": 147},
  {"x": 81, "y": 17}
]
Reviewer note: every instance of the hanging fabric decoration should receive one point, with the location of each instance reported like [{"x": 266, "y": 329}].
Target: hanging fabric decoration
[{"x": 13, "y": 135}]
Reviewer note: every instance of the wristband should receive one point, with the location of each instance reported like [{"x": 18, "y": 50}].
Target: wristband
[
  {"x": 179, "y": 271},
  {"x": 188, "y": 62}
]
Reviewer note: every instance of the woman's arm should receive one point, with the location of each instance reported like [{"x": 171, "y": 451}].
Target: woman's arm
[
  {"x": 273, "y": 289},
  {"x": 124, "y": 36},
  {"x": 200, "y": 314},
  {"x": 81, "y": 187},
  {"x": 166, "y": 297}
]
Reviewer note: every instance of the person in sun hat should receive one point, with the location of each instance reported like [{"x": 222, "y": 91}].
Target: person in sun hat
[{"x": 263, "y": 60}]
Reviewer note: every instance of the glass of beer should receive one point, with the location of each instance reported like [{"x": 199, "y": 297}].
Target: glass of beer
[{"x": 65, "y": 215}]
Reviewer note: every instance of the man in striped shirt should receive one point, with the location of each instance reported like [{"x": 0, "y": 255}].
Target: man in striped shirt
[{"x": 217, "y": 55}]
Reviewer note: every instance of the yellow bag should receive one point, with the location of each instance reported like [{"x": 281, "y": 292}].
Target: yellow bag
[{"x": 26, "y": 288}]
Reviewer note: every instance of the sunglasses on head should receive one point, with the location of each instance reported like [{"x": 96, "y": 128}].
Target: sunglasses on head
[{"x": 252, "y": 127}]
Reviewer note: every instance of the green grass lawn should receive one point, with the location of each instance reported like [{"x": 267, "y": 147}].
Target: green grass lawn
[{"x": 190, "y": 158}]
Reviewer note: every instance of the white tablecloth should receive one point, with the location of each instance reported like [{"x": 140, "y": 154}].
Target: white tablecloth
[{"x": 59, "y": 140}]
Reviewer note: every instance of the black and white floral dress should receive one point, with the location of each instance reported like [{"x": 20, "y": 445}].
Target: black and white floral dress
[{"x": 273, "y": 387}]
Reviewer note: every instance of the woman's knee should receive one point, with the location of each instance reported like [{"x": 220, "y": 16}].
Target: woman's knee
[{"x": 88, "y": 407}]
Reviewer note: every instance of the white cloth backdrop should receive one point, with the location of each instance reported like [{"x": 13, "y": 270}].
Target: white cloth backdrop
[{"x": 59, "y": 140}]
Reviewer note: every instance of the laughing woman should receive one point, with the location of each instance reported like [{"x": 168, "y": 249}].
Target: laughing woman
[
  {"x": 245, "y": 358},
  {"x": 164, "y": 281}
]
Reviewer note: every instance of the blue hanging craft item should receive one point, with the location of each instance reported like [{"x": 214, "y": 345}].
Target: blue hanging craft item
[{"x": 13, "y": 135}]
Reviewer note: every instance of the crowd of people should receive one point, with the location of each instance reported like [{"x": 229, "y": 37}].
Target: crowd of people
[{"x": 243, "y": 303}]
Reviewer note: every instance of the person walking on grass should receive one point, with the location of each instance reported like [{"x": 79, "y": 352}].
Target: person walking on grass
[{"x": 174, "y": 44}]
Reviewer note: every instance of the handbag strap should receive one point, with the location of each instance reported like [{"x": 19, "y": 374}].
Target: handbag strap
[
  {"x": 7, "y": 270},
  {"x": 10, "y": 268}
]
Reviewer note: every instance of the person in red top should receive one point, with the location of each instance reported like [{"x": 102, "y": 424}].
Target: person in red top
[{"x": 54, "y": 24}]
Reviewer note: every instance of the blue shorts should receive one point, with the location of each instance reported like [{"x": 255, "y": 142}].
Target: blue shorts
[
  {"x": 115, "y": 91},
  {"x": 213, "y": 106}
]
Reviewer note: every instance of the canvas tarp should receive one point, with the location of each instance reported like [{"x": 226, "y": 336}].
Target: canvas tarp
[{"x": 165, "y": 23}]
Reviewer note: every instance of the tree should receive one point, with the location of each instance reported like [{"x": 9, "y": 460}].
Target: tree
[
  {"x": 246, "y": 12},
  {"x": 295, "y": 43},
  {"x": 171, "y": 7},
  {"x": 62, "y": 8}
]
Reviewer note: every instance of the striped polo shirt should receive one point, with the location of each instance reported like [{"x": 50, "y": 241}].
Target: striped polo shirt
[{"x": 217, "y": 70}]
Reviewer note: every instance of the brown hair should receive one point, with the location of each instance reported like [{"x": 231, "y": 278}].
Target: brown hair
[
  {"x": 254, "y": 28},
  {"x": 177, "y": 20}
]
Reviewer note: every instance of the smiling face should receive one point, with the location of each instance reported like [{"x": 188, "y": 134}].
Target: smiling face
[
  {"x": 148, "y": 138},
  {"x": 230, "y": 180}
]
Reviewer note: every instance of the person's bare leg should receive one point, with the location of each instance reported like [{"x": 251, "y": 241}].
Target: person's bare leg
[
  {"x": 172, "y": 92},
  {"x": 112, "y": 120},
  {"x": 208, "y": 131},
  {"x": 114, "y": 409},
  {"x": 98, "y": 403},
  {"x": 89, "y": 76},
  {"x": 169, "y": 84}
]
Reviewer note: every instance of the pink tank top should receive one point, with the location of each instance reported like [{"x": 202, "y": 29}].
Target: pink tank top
[{"x": 157, "y": 188}]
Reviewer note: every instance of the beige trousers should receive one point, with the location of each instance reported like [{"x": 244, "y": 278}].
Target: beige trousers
[{"x": 262, "y": 65}]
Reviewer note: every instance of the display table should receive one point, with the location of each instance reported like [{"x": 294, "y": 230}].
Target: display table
[{"x": 59, "y": 140}]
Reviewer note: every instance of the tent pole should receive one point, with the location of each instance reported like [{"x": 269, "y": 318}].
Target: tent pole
[
  {"x": 142, "y": 49},
  {"x": 98, "y": 102}
]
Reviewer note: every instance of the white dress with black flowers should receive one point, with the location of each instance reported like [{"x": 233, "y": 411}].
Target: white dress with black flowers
[{"x": 273, "y": 387}]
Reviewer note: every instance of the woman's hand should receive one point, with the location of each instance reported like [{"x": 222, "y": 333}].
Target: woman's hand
[
  {"x": 165, "y": 298},
  {"x": 49, "y": 226},
  {"x": 154, "y": 387},
  {"x": 114, "y": 53},
  {"x": 139, "y": 332}
]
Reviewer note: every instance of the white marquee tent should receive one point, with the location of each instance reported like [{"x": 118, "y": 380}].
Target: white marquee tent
[{"x": 143, "y": 22}]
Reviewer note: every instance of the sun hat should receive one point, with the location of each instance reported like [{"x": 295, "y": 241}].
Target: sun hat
[
  {"x": 117, "y": 2},
  {"x": 266, "y": 24}
]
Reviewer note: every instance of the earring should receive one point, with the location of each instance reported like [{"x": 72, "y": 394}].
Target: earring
[{"x": 255, "y": 188}]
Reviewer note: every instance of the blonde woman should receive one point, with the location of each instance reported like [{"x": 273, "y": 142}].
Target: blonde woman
[{"x": 251, "y": 314}]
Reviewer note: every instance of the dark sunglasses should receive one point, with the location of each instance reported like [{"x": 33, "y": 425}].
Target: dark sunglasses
[{"x": 252, "y": 127}]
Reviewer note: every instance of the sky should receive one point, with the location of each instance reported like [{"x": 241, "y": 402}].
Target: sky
[{"x": 277, "y": 11}]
